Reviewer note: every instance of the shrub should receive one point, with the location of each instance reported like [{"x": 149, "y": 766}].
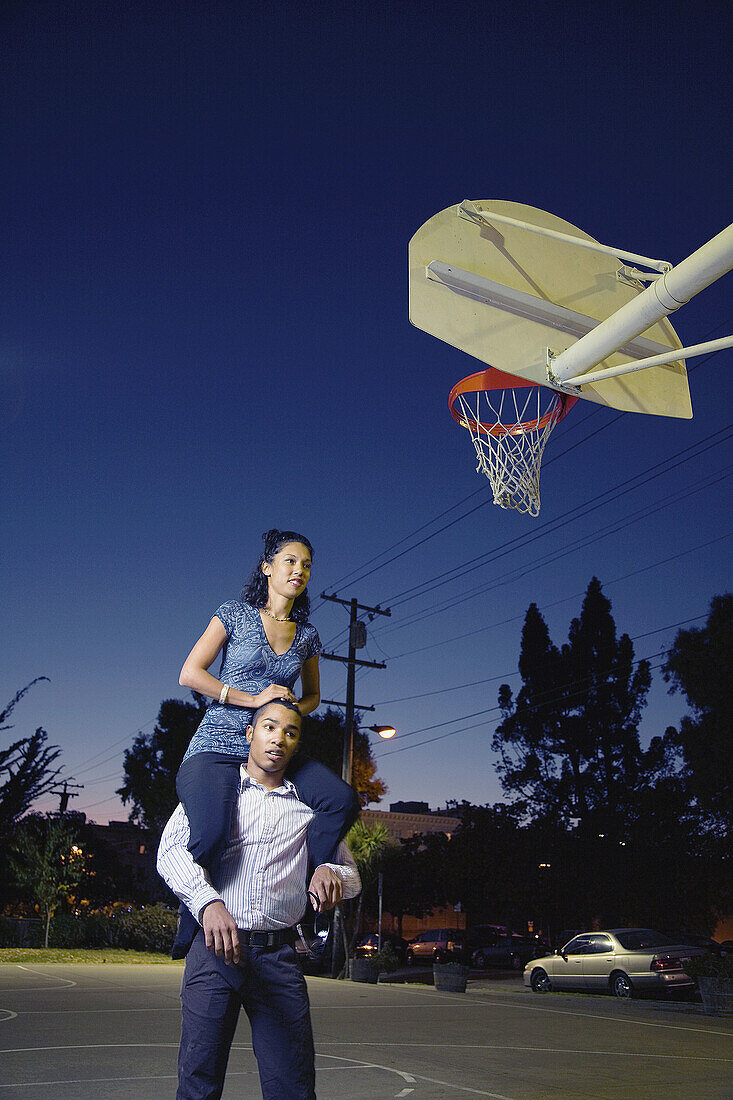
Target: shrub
[
  {"x": 386, "y": 959},
  {"x": 710, "y": 966},
  {"x": 20, "y": 932},
  {"x": 151, "y": 928},
  {"x": 452, "y": 966}
]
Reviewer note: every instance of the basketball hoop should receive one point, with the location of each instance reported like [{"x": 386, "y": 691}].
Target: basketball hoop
[{"x": 510, "y": 420}]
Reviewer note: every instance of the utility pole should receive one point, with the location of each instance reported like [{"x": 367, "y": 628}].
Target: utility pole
[
  {"x": 65, "y": 794},
  {"x": 357, "y": 640}
]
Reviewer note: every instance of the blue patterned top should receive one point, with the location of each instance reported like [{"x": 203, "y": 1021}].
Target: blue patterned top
[{"x": 249, "y": 664}]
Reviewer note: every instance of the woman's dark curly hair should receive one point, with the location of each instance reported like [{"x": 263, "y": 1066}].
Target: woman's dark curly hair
[{"x": 255, "y": 591}]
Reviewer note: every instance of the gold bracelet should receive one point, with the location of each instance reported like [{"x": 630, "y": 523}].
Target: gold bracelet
[{"x": 224, "y": 693}]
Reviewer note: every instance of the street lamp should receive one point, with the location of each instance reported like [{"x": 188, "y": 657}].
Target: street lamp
[{"x": 384, "y": 731}]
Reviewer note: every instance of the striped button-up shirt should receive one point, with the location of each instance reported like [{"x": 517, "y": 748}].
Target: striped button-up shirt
[{"x": 263, "y": 868}]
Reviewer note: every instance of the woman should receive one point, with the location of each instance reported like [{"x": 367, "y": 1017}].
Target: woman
[{"x": 267, "y": 645}]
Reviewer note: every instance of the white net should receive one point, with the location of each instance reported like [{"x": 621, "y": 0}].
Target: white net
[{"x": 509, "y": 429}]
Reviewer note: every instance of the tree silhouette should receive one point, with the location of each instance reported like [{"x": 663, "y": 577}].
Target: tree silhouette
[
  {"x": 569, "y": 742},
  {"x": 26, "y": 767},
  {"x": 415, "y": 876},
  {"x": 700, "y": 665},
  {"x": 150, "y": 766}
]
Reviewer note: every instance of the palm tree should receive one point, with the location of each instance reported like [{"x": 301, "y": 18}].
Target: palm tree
[{"x": 368, "y": 844}]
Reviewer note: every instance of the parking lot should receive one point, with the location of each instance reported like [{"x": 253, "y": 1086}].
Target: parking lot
[{"x": 111, "y": 1032}]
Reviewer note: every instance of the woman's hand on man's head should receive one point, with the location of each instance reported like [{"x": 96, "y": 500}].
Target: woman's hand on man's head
[{"x": 274, "y": 691}]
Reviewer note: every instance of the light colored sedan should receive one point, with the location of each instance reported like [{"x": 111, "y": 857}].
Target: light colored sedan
[{"x": 623, "y": 961}]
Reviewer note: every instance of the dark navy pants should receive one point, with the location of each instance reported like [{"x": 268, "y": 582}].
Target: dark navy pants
[
  {"x": 207, "y": 785},
  {"x": 270, "y": 986}
]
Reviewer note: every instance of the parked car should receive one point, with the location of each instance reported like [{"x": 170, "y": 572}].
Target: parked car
[
  {"x": 436, "y": 945},
  {"x": 487, "y": 945},
  {"x": 623, "y": 961},
  {"x": 694, "y": 940},
  {"x": 369, "y": 945}
]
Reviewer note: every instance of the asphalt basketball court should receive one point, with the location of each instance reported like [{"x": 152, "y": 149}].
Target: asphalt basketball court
[{"x": 111, "y": 1032}]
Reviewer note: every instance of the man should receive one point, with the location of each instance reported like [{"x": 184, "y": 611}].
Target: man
[{"x": 243, "y": 952}]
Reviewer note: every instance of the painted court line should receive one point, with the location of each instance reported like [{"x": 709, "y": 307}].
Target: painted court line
[
  {"x": 479, "y": 1000},
  {"x": 533, "y": 1050},
  {"x": 95, "y": 1011}
]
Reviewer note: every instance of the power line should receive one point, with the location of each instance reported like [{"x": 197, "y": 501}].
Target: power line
[
  {"x": 615, "y": 580},
  {"x": 125, "y": 739},
  {"x": 509, "y": 675},
  {"x": 548, "y": 462},
  {"x": 559, "y": 522},
  {"x": 552, "y": 556},
  {"x": 489, "y": 710},
  {"x": 346, "y": 577}
]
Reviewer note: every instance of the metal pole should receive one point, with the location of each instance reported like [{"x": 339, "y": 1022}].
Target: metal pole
[
  {"x": 471, "y": 211},
  {"x": 379, "y": 932},
  {"x": 346, "y": 764},
  {"x": 653, "y": 361},
  {"x": 667, "y": 294}
]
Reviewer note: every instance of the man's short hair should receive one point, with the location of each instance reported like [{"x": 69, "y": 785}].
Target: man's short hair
[{"x": 274, "y": 703}]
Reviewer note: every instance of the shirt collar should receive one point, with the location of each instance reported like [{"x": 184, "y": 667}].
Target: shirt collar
[{"x": 286, "y": 786}]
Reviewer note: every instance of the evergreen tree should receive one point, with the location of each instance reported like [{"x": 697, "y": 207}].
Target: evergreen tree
[{"x": 569, "y": 743}]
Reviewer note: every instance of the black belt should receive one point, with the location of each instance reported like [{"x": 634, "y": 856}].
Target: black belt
[{"x": 256, "y": 938}]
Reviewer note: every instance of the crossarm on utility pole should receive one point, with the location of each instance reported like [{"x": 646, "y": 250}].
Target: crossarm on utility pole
[{"x": 351, "y": 661}]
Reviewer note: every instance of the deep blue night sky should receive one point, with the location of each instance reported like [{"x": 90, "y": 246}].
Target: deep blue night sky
[{"x": 204, "y": 334}]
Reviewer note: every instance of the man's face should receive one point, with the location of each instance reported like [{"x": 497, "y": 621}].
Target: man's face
[{"x": 274, "y": 739}]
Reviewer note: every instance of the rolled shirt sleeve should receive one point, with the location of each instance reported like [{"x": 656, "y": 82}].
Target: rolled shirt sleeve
[
  {"x": 347, "y": 872},
  {"x": 177, "y": 867}
]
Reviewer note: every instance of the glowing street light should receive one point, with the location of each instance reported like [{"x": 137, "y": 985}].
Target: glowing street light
[{"x": 384, "y": 731}]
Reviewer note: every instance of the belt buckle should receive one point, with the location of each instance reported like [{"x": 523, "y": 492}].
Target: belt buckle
[{"x": 271, "y": 939}]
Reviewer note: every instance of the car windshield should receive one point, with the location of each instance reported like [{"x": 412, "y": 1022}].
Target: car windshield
[{"x": 636, "y": 939}]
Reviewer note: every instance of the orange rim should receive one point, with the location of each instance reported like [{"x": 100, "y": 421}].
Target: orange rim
[{"x": 494, "y": 379}]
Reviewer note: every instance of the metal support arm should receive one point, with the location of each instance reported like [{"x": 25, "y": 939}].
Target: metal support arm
[
  {"x": 468, "y": 210},
  {"x": 667, "y": 294},
  {"x": 652, "y": 361}
]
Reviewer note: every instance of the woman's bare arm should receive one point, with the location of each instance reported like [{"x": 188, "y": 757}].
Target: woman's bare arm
[
  {"x": 195, "y": 674},
  {"x": 310, "y": 682}
]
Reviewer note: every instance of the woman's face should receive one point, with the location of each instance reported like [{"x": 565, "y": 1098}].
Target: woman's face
[{"x": 289, "y": 571}]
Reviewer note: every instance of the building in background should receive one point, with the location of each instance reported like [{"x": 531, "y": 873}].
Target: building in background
[{"x": 403, "y": 820}]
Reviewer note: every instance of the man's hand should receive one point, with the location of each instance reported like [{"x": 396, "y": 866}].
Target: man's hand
[
  {"x": 327, "y": 887},
  {"x": 220, "y": 930}
]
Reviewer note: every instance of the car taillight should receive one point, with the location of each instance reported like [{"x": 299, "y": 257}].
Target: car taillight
[{"x": 666, "y": 963}]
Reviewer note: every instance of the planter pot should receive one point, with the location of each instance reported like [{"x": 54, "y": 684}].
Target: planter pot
[
  {"x": 716, "y": 995},
  {"x": 364, "y": 970},
  {"x": 450, "y": 977}
]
